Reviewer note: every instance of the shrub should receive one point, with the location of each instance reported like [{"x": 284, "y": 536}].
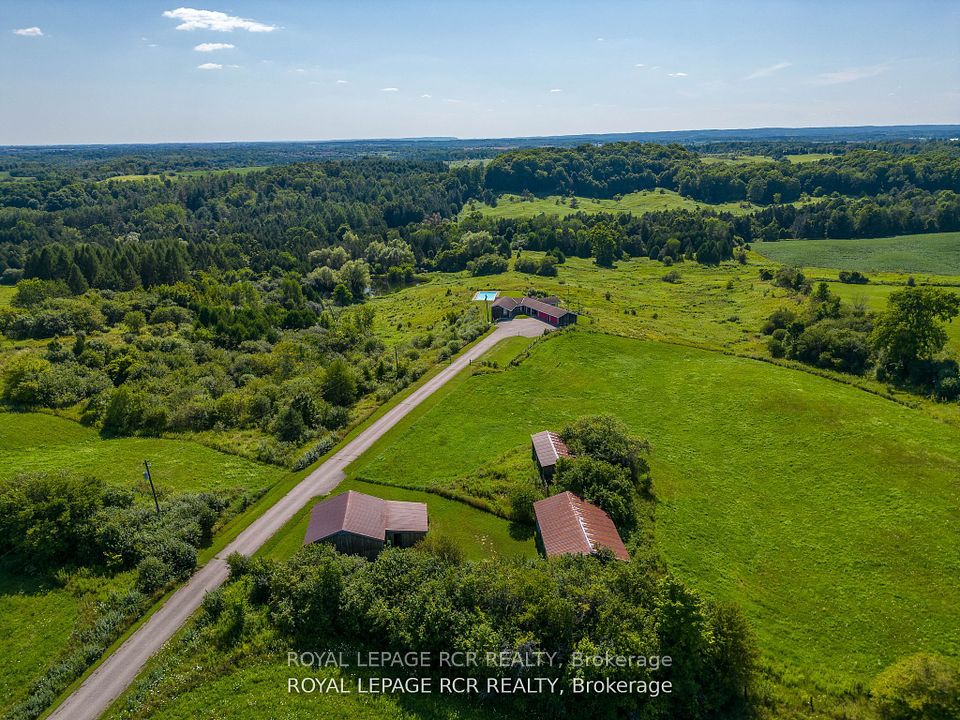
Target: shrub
[
  {"x": 488, "y": 264},
  {"x": 672, "y": 277},
  {"x": 853, "y": 277},
  {"x": 152, "y": 574},
  {"x": 919, "y": 687}
]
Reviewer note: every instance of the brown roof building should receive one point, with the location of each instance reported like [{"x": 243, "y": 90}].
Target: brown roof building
[
  {"x": 568, "y": 525},
  {"x": 506, "y": 308},
  {"x": 361, "y": 524},
  {"x": 547, "y": 448}
]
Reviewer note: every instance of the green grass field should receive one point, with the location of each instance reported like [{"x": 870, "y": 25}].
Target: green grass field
[
  {"x": 37, "y": 615},
  {"x": 479, "y": 533},
  {"x": 874, "y": 297},
  {"x": 6, "y": 294},
  {"x": 33, "y": 442},
  {"x": 934, "y": 253},
  {"x": 513, "y": 206},
  {"x": 829, "y": 514},
  {"x": 187, "y": 173}
]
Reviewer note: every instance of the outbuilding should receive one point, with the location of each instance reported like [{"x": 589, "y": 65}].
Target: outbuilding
[
  {"x": 547, "y": 310},
  {"x": 547, "y": 448},
  {"x": 359, "y": 524},
  {"x": 567, "y": 524}
]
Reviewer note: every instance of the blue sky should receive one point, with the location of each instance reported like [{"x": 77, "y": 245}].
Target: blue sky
[{"x": 81, "y": 72}]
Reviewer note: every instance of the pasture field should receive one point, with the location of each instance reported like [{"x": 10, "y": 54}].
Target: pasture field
[
  {"x": 37, "y": 614},
  {"x": 36, "y": 442},
  {"x": 6, "y": 294},
  {"x": 479, "y": 533},
  {"x": 754, "y": 159},
  {"x": 827, "y": 513},
  {"x": 722, "y": 307},
  {"x": 933, "y": 253},
  {"x": 874, "y": 297},
  {"x": 644, "y": 201},
  {"x": 186, "y": 173}
]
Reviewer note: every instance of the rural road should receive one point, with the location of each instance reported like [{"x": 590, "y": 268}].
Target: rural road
[{"x": 115, "y": 674}]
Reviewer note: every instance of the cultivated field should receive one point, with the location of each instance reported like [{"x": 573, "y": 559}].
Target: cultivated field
[
  {"x": 935, "y": 253},
  {"x": 824, "y": 511}
]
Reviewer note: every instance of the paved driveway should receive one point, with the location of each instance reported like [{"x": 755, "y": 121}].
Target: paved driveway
[{"x": 116, "y": 673}]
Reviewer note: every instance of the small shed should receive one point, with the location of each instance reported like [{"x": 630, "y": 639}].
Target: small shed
[
  {"x": 567, "y": 524},
  {"x": 359, "y": 524},
  {"x": 547, "y": 447}
]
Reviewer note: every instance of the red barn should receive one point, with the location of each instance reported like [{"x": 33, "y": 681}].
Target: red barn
[{"x": 567, "y": 524}]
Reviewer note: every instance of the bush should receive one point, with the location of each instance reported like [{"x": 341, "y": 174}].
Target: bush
[
  {"x": 672, "y": 277},
  {"x": 919, "y": 687},
  {"x": 152, "y": 574},
  {"x": 853, "y": 277},
  {"x": 489, "y": 264},
  {"x": 522, "y": 497},
  {"x": 597, "y": 481},
  {"x": 316, "y": 451}
]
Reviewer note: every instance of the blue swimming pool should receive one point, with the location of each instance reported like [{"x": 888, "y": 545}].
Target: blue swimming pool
[{"x": 486, "y": 295}]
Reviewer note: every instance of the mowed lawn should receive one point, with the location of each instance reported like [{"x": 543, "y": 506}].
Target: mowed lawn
[
  {"x": 933, "y": 253},
  {"x": 34, "y": 442},
  {"x": 479, "y": 533},
  {"x": 829, "y": 514}
]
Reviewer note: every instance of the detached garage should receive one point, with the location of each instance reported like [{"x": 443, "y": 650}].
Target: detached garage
[{"x": 359, "y": 524}]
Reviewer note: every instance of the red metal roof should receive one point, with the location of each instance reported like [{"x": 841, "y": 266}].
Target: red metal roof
[
  {"x": 365, "y": 515},
  {"x": 542, "y": 307},
  {"x": 549, "y": 447},
  {"x": 569, "y": 524}
]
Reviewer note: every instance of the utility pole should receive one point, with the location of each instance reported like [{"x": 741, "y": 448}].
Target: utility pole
[{"x": 146, "y": 474}]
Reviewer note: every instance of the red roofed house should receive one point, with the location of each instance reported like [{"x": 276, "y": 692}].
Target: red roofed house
[
  {"x": 547, "y": 449},
  {"x": 360, "y": 524},
  {"x": 568, "y": 525},
  {"x": 507, "y": 308}
]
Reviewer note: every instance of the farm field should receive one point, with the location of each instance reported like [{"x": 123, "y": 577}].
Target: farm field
[
  {"x": 479, "y": 533},
  {"x": 187, "y": 173},
  {"x": 721, "y": 307},
  {"x": 38, "y": 614},
  {"x": 38, "y": 442},
  {"x": 934, "y": 253},
  {"x": 790, "y": 494},
  {"x": 513, "y": 206},
  {"x": 874, "y": 297}
]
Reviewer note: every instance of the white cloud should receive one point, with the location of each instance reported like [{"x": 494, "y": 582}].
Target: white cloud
[
  {"x": 210, "y": 66},
  {"x": 298, "y": 70},
  {"x": 600, "y": 39},
  {"x": 29, "y": 32},
  {"x": 426, "y": 96},
  {"x": 848, "y": 75},
  {"x": 213, "y": 47},
  {"x": 556, "y": 90},
  {"x": 342, "y": 82},
  {"x": 767, "y": 71},
  {"x": 390, "y": 89},
  {"x": 192, "y": 19},
  {"x": 677, "y": 74},
  {"x": 639, "y": 65}
]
